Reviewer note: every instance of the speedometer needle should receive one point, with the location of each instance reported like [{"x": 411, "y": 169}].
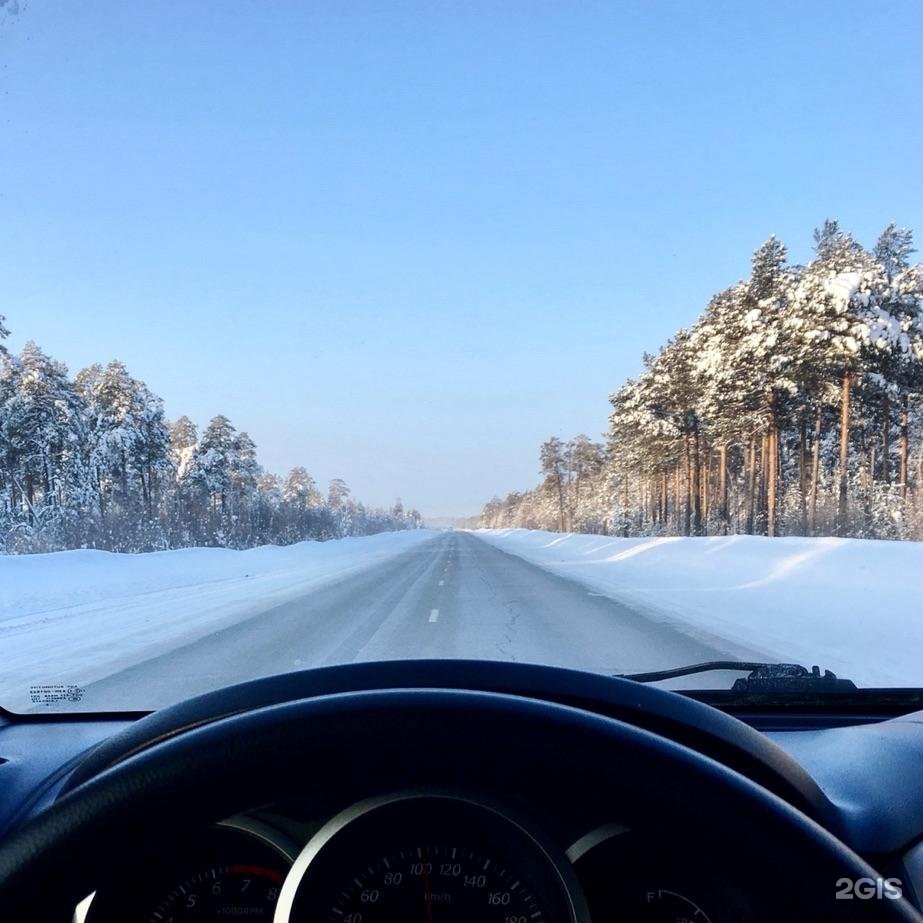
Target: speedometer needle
[{"x": 427, "y": 893}]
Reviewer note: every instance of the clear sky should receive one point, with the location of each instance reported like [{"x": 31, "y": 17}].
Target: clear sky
[{"x": 404, "y": 242}]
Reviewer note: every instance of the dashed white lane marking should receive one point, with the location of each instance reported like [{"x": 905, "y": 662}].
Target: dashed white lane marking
[
  {"x": 442, "y": 583},
  {"x": 433, "y": 615}
]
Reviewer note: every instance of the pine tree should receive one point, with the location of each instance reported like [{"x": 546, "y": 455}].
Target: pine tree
[
  {"x": 41, "y": 433},
  {"x": 892, "y": 250},
  {"x": 337, "y": 493},
  {"x": 553, "y": 462},
  {"x": 213, "y": 463}
]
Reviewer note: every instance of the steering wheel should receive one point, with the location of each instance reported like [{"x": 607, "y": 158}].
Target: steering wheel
[{"x": 401, "y": 737}]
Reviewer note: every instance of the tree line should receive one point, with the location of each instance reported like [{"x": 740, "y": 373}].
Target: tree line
[
  {"x": 92, "y": 462},
  {"x": 790, "y": 407}
]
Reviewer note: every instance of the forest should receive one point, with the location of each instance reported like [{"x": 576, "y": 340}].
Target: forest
[
  {"x": 792, "y": 406},
  {"x": 92, "y": 462}
]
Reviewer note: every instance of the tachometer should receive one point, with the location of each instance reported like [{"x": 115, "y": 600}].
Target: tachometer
[
  {"x": 222, "y": 892},
  {"x": 225, "y": 872},
  {"x": 428, "y": 859}
]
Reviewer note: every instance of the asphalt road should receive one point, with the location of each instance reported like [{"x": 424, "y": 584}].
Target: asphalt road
[{"x": 455, "y": 596}]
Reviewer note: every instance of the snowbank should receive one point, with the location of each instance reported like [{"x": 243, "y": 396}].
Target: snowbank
[
  {"x": 850, "y": 605},
  {"x": 97, "y": 611}
]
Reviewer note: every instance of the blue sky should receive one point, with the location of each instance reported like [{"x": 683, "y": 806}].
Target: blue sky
[{"x": 404, "y": 242}]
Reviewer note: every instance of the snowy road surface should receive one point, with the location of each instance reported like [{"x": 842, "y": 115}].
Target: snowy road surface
[{"x": 445, "y": 595}]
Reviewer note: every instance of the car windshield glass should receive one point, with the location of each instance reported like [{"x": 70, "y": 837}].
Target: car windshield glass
[{"x": 588, "y": 335}]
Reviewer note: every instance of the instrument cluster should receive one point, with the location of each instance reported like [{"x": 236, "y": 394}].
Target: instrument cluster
[{"x": 427, "y": 857}]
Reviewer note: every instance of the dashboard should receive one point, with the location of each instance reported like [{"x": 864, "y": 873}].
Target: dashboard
[
  {"x": 430, "y": 811},
  {"x": 422, "y": 855}
]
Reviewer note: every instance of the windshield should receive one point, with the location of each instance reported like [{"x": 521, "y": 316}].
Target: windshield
[{"x": 579, "y": 334}]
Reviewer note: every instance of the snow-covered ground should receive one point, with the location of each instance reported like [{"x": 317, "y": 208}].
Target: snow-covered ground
[
  {"x": 152, "y": 628},
  {"x": 850, "y": 605},
  {"x": 89, "y": 613}
]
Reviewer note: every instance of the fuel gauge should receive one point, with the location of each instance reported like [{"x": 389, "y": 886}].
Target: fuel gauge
[
  {"x": 664, "y": 906},
  {"x": 632, "y": 876}
]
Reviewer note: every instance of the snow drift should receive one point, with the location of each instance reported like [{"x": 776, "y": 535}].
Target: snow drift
[{"x": 851, "y": 605}]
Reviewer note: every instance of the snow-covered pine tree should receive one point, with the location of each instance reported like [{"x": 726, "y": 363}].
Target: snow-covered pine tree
[
  {"x": 553, "y": 460},
  {"x": 41, "y": 434},
  {"x": 213, "y": 462}
]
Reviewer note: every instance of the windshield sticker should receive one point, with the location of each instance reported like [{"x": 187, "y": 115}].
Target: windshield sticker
[{"x": 55, "y": 693}]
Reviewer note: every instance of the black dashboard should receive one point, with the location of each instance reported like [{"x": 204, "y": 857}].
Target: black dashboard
[
  {"x": 402, "y": 835},
  {"x": 424, "y": 854}
]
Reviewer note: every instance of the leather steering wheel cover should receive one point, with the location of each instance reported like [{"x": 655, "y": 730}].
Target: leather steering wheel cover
[{"x": 415, "y": 737}]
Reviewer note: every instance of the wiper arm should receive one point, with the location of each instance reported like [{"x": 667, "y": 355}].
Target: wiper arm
[{"x": 762, "y": 677}]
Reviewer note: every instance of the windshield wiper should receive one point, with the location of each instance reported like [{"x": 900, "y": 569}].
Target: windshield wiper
[{"x": 762, "y": 677}]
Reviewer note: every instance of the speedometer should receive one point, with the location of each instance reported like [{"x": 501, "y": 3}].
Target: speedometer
[
  {"x": 428, "y": 859},
  {"x": 436, "y": 882}
]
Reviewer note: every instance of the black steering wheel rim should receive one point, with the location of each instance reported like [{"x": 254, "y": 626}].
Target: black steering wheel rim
[
  {"x": 676, "y": 717},
  {"x": 417, "y": 736}
]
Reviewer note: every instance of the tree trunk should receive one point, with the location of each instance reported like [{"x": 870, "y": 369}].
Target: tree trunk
[
  {"x": 803, "y": 471},
  {"x": 723, "y": 488},
  {"x": 625, "y": 499},
  {"x": 575, "y": 508},
  {"x": 561, "y": 503},
  {"x": 677, "y": 499},
  {"x": 751, "y": 487},
  {"x": 47, "y": 482},
  {"x": 885, "y": 445},
  {"x": 815, "y": 467},
  {"x": 687, "y": 512},
  {"x": 842, "y": 512},
  {"x": 870, "y": 482},
  {"x": 772, "y": 478},
  {"x": 664, "y": 499},
  {"x": 99, "y": 494},
  {"x": 764, "y": 483},
  {"x": 146, "y": 496},
  {"x": 706, "y": 487},
  {"x": 29, "y": 494},
  {"x": 26, "y": 493},
  {"x": 12, "y": 492},
  {"x": 904, "y": 445},
  {"x": 695, "y": 487}
]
